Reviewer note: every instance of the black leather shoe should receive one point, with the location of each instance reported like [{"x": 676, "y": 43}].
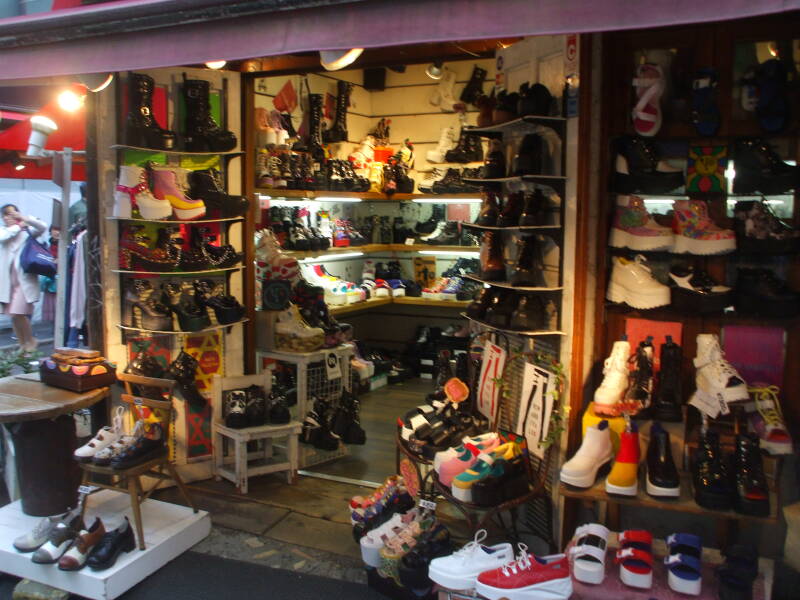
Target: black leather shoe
[
  {"x": 509, "y": 216},
  {"x": 530, "y": 314},
  {"x": 147, "y": 447},
  {"x": 712, "y": 488},
  {"x": 529, "y": 270},
  {"x": 477, "y": 308},
  {"x": 668, "y": 397},
  {"x": 662, "y": 475},
  {"x": 751, "y": 493},
  {"x": 207, "y": 185},
  {"x": 183, "y": 370},
  {"x": 503, "y": 304},
  {"x": 114, "y": 543},
  {"x": 146, "y": 366}
]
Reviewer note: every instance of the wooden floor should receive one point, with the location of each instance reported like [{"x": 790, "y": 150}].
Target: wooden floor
[{"x": 375, "y": 460}]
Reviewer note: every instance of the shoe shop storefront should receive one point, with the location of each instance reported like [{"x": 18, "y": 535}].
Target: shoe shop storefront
[{"x": 520, "y": 285}]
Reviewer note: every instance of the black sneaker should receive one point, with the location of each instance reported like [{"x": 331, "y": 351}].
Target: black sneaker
[{"x": 693, "y": 290}]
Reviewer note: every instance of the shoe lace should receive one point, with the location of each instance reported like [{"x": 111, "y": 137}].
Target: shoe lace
[
  {"x": 767, "y": 404},
  {"x": 522, "y": 562},
  {"x": 641, "y": 262},
  {"x": 469, "y": 549}
]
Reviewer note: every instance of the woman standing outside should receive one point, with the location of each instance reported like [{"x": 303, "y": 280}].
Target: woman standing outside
[{"x": 18, "y": 290}]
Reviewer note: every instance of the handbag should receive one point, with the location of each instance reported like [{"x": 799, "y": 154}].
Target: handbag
[{"x": 35, "y": 259}]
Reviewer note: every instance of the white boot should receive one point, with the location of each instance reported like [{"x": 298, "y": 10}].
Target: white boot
[
  {"x": 595, "y": 451},
  {"x": 293, "y": 334},
  {"x": 715, "y": 375},
  {"x": 615, "y": 382},
  {"x": 444, "y": 96},
  {"x": 132, "y": 190},
  {"x": 447, "y": 141}
]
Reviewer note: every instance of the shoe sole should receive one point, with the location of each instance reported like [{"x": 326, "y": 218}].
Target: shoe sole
[
  {"x": 157, "y": 213},
  {"x": 687, "y": 245},
  {"x": 636, "y": 298},
  {"x": 622, "y": 490},
  {"x": 555, "y": 589},
  {"x": 189, "y": 214},
  {"x": 661, "y": 492},
  {"x": 587, "y": 480},
  {"x": 620, "y": 238},
  {"x": 463, "y": 583}
]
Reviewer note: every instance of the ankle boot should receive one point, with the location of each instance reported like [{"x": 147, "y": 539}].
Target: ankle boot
[
  {"x": 477, "y": 308},
  {"x": 534, "y": 100},
  {"x": 760, "y": 169},
  {"x": 529, "y": 314},
  {"x": 474, "y": 149},
  {"x": 459, "y": 153},
  {"x": 529, "y": 158},
  {"x": 184, "y": 370},
  {"x": 758, "y": 229},
  {"x": 338, "y": 131},
  {"x": 134, "y": 253},
  {"x": 203, "y": 134},
  {"x": 141, "y": 128},
  {"x": 502, "y": 306},
  {"x": 168, "y": 184},
  {"x": 751, "y": 493},
  {"x": 662, "y": 476},
  {"x": 226, "y": 308},
  {"x": 146, "y": 366},
  {"x": 489, "y": 210},
  {"x": 485, "y": 106},
  {"x": 529, "y": 270},
  {"x": 223, "y": 256},
  {"x": 293, "y": 334},
  {"x": 206, "y": 184},
  {"x": 639, "y": 396},
  {"x": 533, "y": 212},
  {"x": 639, "y": 169},
  {"x": 491, "y": 257},
  {"x": 668, "y": 399},
  {"x": 133, "y": 193},
  {"x": 449, "y": 184},
  {"x": 712, "y": 486},
  {"x": 510, "y": 215},
  {"x": 495, "y": 165}
]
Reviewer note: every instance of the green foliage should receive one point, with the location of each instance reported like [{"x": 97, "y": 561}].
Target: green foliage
[{"x": 12, "y": 362}]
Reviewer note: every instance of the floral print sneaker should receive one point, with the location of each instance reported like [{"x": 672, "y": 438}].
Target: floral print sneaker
[
  {"x": 636, "y": 229},
  {"x": 696, "y": 233}
]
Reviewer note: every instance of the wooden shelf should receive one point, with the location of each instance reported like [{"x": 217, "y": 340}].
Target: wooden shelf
[
  {"x": 173, "y": 273},
  {"x": 347, "y": 309},
  {"x": 521, "y": 124},
  {"x": 505, "y": 284},
  {"x": 374, "y": 248},
  {"x": 171, "y": 222},
  {"x": 541, "y": 179},
  {"x": 199, "y": 332},
  {"x": 545, "y": 229},
  {"x": 409, "y": 300},
  {"x": 685, "y": 503},
  {"x": 366, "y": 196},
  {"x": 176, "y": 152},
  {"x": 513, "y": 331}
]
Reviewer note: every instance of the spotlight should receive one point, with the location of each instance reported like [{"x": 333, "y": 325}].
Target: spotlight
[
  {"x": 333, "y": 60},
  {"x": 69, "y": 101},
  {"x": 435, "y": 70},
  {"x": 216, "y": 64},
  {"x": 41, "y": 128}
]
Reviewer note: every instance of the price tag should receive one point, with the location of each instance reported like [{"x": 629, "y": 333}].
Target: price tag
[
  {"x": 87, "y": 489},
  {"x": 709, "y": 405},
  {"x": 332, "y": 367},
  {"x": 410, "y": 241},
  {"x": 427, "y": 504}
]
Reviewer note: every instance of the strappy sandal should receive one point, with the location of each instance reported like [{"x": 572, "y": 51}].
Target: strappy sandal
[
  {"x": 649, "y": 84},
  {"x": 635, "y": 558},
  {"x": 588, "y": 553},
  {"x": 683, "y": 563}
]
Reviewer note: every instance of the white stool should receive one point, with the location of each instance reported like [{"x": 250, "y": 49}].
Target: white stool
[{"x": 240, "y": 457}]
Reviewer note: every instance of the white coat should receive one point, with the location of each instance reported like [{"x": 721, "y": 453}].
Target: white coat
[{"x": 12, "y": 239}]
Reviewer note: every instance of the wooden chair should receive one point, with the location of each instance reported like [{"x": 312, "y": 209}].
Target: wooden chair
[{"x": 129, "y": 480}]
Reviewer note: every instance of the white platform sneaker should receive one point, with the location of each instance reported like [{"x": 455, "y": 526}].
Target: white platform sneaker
[
  {"x": 615, "y": 380},
  {"x": 633, "y": 283},
  {"x": 595, "y": 451},
  {"x": 460, "y": 570},
  {"x": 716, "y": 376}
]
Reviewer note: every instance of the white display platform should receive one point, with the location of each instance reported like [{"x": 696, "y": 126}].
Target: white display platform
[{"x": 169, "y": 530}]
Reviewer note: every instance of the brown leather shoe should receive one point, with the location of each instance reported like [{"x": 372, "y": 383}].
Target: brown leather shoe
[
  {"x": 74, "y": 558},
  {"x": 509, "y": 216},
  {"x": 489, "y": 209},
  {"x": 491, "y": 257},
  {"x": 529, "y": 270}
]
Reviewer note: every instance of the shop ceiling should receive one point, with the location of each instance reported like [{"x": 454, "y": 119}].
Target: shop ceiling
[{"x": 144, "y": 34}]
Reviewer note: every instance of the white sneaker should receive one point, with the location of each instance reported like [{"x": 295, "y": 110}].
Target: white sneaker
[
  {"x": 595, "y": 451},
  {"x": 447, "y": 141},
  {"x": 445, "y": 455},
  {"x": 426, "y": 185},
  {"x": 102, "y": 439},
  {"x": 28, "y": 542},
  {"x": 460, "y": 570},
  {"x": 633, "y": 283},
  {"x": 716, "y": 376},
  {"x": 615, "y": 382}
]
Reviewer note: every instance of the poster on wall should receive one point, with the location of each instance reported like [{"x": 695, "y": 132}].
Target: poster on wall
[
  {"x": 494, "y": 359},
  {"x": 207, "y": 349},
  {"x": 536, "y": 406}
]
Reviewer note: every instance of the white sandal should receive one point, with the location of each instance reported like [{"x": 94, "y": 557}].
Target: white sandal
[{"x": 588, "y": 553}]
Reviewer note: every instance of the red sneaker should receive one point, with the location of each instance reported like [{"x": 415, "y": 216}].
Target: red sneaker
[{"x": 528, "y": 578}]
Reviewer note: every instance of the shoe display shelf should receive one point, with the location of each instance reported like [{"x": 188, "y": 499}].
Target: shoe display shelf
[
  {"x": 312, "y": 382},
  {"x": 403, "y": 300},
  {"x": 169, "y": 531},
  {"x": 520, "y": 333},
  {"x": 365, "y": 196},
  {"x": 522, "y": 125},
  {"x": 224, "y": 155},
  {"x": 380, "y": 248}
]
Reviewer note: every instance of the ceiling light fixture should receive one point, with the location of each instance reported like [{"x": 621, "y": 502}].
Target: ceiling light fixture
[
  {"x": 70, "y": 101},
  {"x": 216, "y": 64},
  {"x": 435, "y": 70},
  {"x": 41, "y": 128},
  {"x": 333, "y": 60}
]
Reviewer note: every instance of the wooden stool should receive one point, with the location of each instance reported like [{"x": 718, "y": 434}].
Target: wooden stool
[
  {"x": 128, "y": 480},
  {"x": 241, "y": 457}
]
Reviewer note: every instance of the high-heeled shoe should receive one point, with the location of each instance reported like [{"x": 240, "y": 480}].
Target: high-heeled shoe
[
  {"x": 134, "y": 253},
  {"x": 206, "y": 184},
  {"x": 171, "y": 183},
  {"x": 141, "y": 128},
  {"x": 153, "y": 314},
  {"x": 191, "y": 316},
  {"x": 222, "y": 256},
  {"x": 184, "y": 370},
  {"x": 226, "y": 308}
]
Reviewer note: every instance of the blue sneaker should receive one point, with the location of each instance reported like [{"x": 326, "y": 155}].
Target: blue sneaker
[{"x": 450, "y": 291}]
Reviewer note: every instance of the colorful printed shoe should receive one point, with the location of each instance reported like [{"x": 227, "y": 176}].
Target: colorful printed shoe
[
  {"x": 462, "y": 483},
  {"x": 696, "y": 233},
  {"x": 624, "y": 479},
  {"x": 484, "y": 442},
  {"x": 765, "y": 419},
  {"x": 435, "y": 291},
  {"x": 634, "y": 228},
  {"x": 450, "y": 291},
  {"x": 382, "y": 289},
  {"x": 528, "y": 577}
]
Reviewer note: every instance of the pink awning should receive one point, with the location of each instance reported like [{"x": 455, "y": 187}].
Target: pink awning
[{"x": 359, "y": 24}]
